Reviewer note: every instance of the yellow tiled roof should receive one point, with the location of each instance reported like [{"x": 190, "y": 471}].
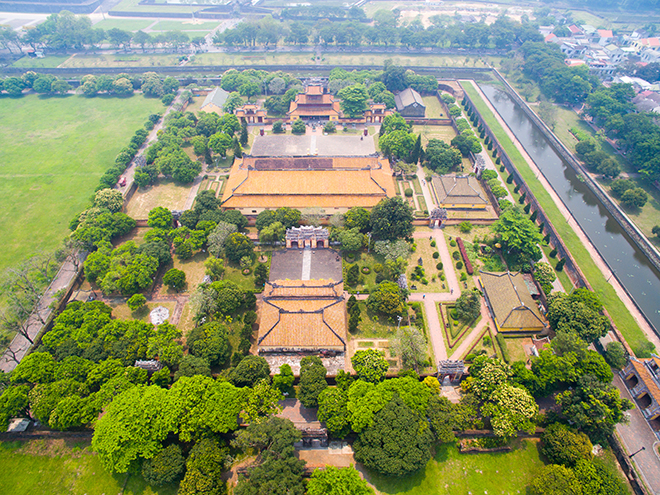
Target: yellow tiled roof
[
  {"x": 303, "y": 314},
  {"x": 307, "y": 188},
  {"x": 511, "y": 301}
]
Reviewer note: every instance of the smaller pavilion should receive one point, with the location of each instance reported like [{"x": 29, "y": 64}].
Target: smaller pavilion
[{"x": 307, "y": 236}]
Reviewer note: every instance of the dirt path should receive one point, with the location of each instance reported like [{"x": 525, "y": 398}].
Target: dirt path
[{"x": 600, "y": 263}]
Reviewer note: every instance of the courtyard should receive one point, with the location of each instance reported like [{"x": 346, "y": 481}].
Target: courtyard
[{"x": 313, "y": 144}]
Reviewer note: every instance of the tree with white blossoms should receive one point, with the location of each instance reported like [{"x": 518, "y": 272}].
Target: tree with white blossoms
[
  {"x": 511, "y": 409},
  {"x": 392, "y": 250},
  {"x": 216, "y": 239}
]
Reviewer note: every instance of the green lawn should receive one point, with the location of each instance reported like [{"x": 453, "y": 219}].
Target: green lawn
[
  {"x": 134, "y": 60},
  {"x": 434, "y": 109},
  {"x": 451, "y": 473},
  {"x": 54, "y": 151},
  {"x": 47, "y": 62},
  {"x": 125, "y": 24},
  {"x": 55, "y": 468},
  {"x": 615, "y": 307}
]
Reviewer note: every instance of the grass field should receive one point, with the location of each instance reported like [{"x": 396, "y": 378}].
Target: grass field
[
  {"x": 53, "y": 152},
  {"x": 134, "y": 6},
  {"x": 166, "y": 193},
  {"x": 54, "y": 467},
  {"x": 125, "y": 24},
  {"x": 185, "y": 26},
  {"x": 433, "y": 107},
  {"x": 48, "y": 62},
  {"x": 615, "y": 307},
  {"x": 135, "y": 60},
  {"x": 451, "y": 473}
]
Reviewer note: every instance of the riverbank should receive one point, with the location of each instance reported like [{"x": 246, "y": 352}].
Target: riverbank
[{"x": 625, "y": 315}]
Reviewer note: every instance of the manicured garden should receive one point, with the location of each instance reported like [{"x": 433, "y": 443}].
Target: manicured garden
[
  {"x": 615, "y": 307},
  {"x": 434, "y": 277},
  {"x": 60, "y": 147}
]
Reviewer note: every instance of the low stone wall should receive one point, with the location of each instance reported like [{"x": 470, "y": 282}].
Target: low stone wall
[{"x": 626, "y": 224}]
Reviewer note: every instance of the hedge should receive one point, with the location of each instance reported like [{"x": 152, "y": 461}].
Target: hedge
[{"x": 461, "y": 247}]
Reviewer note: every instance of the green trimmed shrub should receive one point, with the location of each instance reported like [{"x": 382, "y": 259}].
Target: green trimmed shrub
[{"x": 436, "y": 255}]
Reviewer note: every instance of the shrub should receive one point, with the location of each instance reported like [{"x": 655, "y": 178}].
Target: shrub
[
  {"x": 535, "y": 214},
  {"x": 456, "y": 255},
  {"x": 298, "y": 127},
  {"x": 452, "y": 243},
  {"x": 330, "y": 127},
  {"x": 516, "y": 189},
  {"x": 465, "y": 227},
  {"x": 278, "y": 127},
  {"x": 408, "y": 192},
  {"x": 136, "y": 301},
  {"x": 509, "y": 179},
  {"x": 454, "y": 314},
  {"x": 378, "y": 268},
  {"x": 560, "y": 264},
  {"x": 459, "y": 265},
  {"x": 498, "y": 161},
  {"x": 563, "y": 445},
  {"x": 433, "y": 243},
  {"x": 463, "y": 276},
  {"x": 366, "y": 270},
  {"x": 436, "y": 255},
  {"x": 439, "y": 266},
  {"x": 502, "y": 168},
  {"x": 615, "y": 355},
  {"x": 503, "y": 347},
  {"x": 522, "y": 199},
  {"x": 553, "y": 253},
  {"x": 527, "y": 207}
]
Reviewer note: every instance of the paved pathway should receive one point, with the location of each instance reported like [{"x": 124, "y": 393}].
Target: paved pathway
[
  {"x": 637, "y": 434},
  {"x": 600, "y": 263},
  {"x": 486, "y": 320},
  {"x": 20, "y": 345}
]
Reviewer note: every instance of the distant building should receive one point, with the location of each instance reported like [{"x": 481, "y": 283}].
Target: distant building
[
  {"x": 214, "y": 101},
  {"x": 604, "y": 36},
  {"x": 307, "y": 236},
  {"x": 458, "y": 192},
  {"x": 251, "y": 113},
  {"x": 314, "y": 104},
  {"x": 646, "y": 44},
  {"x": 650, "y": 56},
  {"x": 512, "y": 306},
  {"x": 409, "y": 103}
]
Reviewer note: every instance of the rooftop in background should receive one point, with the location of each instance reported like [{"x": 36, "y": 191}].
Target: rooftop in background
[
  {"x": 458, "y": 191},
  {"x": 512, "y": 305},
  {"x": 312, "y": 144},
  {"x": 214, "y": 101}
]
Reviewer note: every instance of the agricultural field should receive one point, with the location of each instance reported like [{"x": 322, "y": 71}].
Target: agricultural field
[{"x": 59, "y": 149}]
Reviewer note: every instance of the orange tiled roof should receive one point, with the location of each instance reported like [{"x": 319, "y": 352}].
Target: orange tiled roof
[
  {"x": 307, "y": 188},
  {"x": 299, "y": 314},
  {"x": 647, "y": 379}
]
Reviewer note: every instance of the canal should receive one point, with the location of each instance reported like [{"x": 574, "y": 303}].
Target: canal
[{"x": 629, "y": 264}]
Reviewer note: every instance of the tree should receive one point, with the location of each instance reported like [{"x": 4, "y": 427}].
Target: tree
[
  {"x": 394, "y": 76},
  {"x": 410, "y": 345},
  {"x": 354, "y": 100},
  {"x": 133, "y": 427},
  {"x": 136, "y": 301},
  {"x": 598, "y": 478},
  {"x": 238, "y": 245},
  {"x": 616, "y": 355},
  {"x": 13, "y": 402},
  {"x": 160, "y": 218},
  {"x": 249, "y": 371},
  {"x": 468, "y": 305},
  {"x": 398, "y": 443},
  {"x": 351, "y": 240},
  {"x": 337, "y": 481},
  {"x": 563, "y": 445},
  {"x": 211, "y": 342},
  {"x": 518, "y": 235},
  {"x": 261, "y": 401},
  {"x": 440, "y": 157},
  {"x": 391, "y": 219},
  {"x": 272, "y": 233},
  {"x": 284, "y": 380},
  {"x": 556, "y": 480},
  {"x": 191, "y": 366},
  {"x": 398, "y": 144},
  {"x": 386, "y": 299},
  {"x": 572, "y": 313},
  {"x": 312, "y": 380},
  {"x": 298, "y": 127},
  {"x": 216, "y": 239},
  {"x": 220, "y": 143},
  {"x": 370, "y": 365},
  {"x": 204, "y": 468},
  {"x": 333, "y": 411},
  {"x": 511, "y": 409},
  {"x": 544, "y": 274},
  {"x": 609, "y": 168},
  {"x": 232, "y": 102},
  {"x": 175, "y": 279},
  {"x": 165, "y": 467},
  {"x": 594, "y": 407},
  {"x": 357, "y": 218},
  {"x": 635, "y": 197}
]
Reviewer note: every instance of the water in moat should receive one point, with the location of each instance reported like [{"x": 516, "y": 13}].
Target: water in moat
[{"x": 630, "y": 265}]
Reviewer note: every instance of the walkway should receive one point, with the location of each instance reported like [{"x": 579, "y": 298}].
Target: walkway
[
  {"x": 637, "y": 434},
  {"x": 600, "y": 263},
  {"x": 486, "y": 320},
  {"x": 20, "y": 345}
]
